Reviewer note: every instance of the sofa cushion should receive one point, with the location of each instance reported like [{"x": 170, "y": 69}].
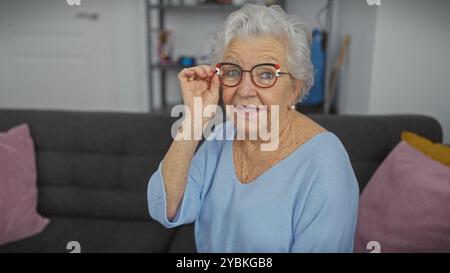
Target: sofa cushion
[
  {"x": 18, "y": 192},
  {"x": 406, "y": 205},
  {"x": 96, "y": 235},
  {"x": 436, "y": 151}
]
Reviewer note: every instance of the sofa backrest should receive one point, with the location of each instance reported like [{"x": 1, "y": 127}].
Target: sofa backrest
[
  {"x": 93, "y": 164},
  {"x": 98, "y": 164}
]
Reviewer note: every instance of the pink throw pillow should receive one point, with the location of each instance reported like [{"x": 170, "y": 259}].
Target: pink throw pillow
[
  {"x": 406, "y": 205},
  {"x": 18, "y": 191}
]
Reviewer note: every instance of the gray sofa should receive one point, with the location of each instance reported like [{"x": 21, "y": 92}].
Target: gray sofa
[{"x": 93, "y": 170}]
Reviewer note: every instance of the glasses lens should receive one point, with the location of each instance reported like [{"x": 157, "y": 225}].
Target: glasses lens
[
  {"x": 230, "y": 74},
  {"x": 264, "y": 75}
]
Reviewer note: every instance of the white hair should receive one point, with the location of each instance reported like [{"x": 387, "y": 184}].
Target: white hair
[{"x": 260, "y": 20}]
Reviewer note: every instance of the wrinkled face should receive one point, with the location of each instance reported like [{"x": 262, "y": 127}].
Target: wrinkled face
[{"x": 248, "y": 52}]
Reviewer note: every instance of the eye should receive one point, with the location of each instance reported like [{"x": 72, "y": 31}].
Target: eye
[
  {"x": 233, "y": 73},
  {"x": 266, "y": 75}
]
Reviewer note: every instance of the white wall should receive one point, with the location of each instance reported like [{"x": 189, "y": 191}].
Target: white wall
[
  {"x": 356, "y": 18},
  {"x": 399, "y": 58},
  {"x": 130, "y": 54},
  {"x": 52, "y": 59},
  {"x": 307, "y": 10},
  {"x": 411, "y": 63}
]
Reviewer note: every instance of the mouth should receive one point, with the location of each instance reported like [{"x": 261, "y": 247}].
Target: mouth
[{"x": 249, "y": 108}]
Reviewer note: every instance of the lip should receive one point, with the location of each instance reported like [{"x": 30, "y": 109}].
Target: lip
[
  {"x": 249, "y": 108},
  {"x": 248, "y": 112}
]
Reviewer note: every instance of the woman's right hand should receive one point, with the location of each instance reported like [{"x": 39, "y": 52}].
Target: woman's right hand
[
  {"x": 199, "y": 81},
  {"x": 204, "y": 84}
]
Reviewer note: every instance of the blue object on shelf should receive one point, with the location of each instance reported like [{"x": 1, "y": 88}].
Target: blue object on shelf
[
  {"x": 318, "y": 58},
  {"x": 186, "y": 61}
]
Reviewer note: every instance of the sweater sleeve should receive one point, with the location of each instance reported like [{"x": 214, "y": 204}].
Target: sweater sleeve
[
  {"x": 327, "y": 221},
  {"x": 191, "y": 202}
]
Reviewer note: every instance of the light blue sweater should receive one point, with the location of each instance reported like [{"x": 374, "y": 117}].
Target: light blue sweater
[{"x": 307, "y": 202}]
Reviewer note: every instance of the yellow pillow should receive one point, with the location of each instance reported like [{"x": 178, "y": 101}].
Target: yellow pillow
[{"x": 435, "y": 151}]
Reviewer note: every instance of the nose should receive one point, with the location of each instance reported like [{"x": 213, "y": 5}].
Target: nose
[{"x": 246, "y": 87}]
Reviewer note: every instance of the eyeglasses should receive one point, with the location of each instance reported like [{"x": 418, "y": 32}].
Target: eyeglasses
[{"x": 263, "y": 75}]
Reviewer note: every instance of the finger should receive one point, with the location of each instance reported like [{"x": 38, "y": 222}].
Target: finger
[
  {"x": 207, "y": 69},
  {"x": 213, "y": 69},
  {"x": 185, "y": 73},
  {"x": 201, "y": 71},
  {"x": 192, "y": 73}
]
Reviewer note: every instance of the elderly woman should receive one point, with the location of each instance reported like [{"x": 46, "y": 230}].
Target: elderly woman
[{"x": 300, "y": 197}]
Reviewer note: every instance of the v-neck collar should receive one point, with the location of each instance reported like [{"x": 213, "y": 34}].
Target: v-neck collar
[{"x": 230, "y": 151}]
